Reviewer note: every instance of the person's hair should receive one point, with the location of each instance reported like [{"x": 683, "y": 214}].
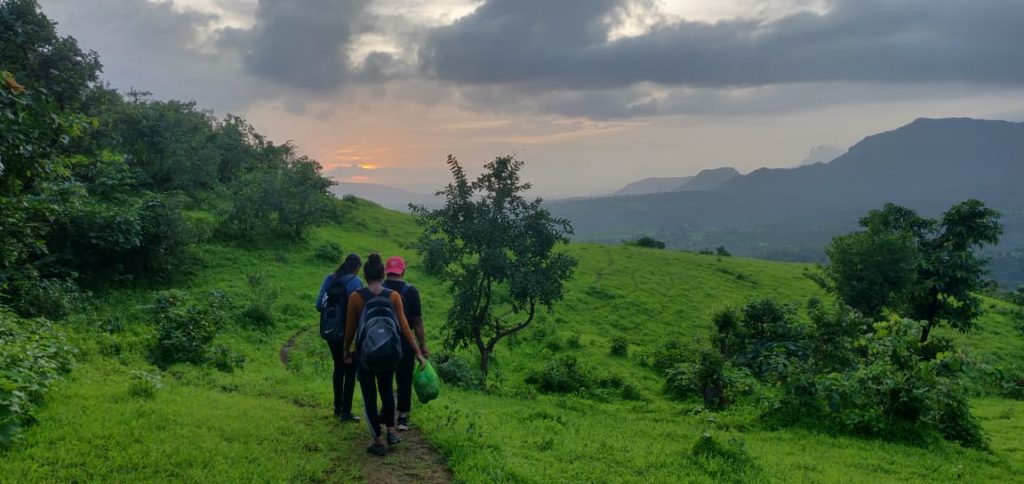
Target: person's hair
[
  {"x": 351, "y": 264},
  {"x": 374, "y": 268}
]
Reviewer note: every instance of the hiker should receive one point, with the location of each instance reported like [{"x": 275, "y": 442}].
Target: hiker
[
  {"x": 332, "y": 303},
  {"x": 395, "y": 269},
  {"x": 376, "y": 313}
]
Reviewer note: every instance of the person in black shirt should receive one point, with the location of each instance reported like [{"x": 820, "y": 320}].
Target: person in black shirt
[{"x": 395, "y": 269}]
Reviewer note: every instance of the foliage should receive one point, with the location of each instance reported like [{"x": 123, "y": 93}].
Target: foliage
[
  {"x": 500, "y": 254},
  {"x": 54, "y": 299},
  {"x": 702, "y": 373},
  {"x": 222, "y": 358},
  {"x": 259, "y": 313},
  {"x": 724, "y": 461},
  {"x": 329, "y": 251},
  {"x": 144, "y": 384},
  {"x": 721, "y": 251},
  {"x": 33, "y": 355},
  {"x": 920, "y": 268},
  {"x": 665, "y": 355},
  {"x": 279, "y": 202},
  {"x": 456, "y": 371},
  {"x": 762, "y": 337},
  {"x": 184, "y": 328},
  {"x": 647, "y": 242},
  {"x": 566, "y": 375},
  {"x": 619, "y": 347}
]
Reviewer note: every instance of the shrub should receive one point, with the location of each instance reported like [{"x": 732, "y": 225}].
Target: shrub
[
  {"x": 647, "y": 242},
  {"x": 724, "y": 461},
  {"x": 703, "y": 374},
  {"x": 721, "y": 251},
  {"x": 665, "y": 355},
  {"x": 223, "y": 359},
  {"x": 890, "y": 392},
  {"x": 619, "y": 347},
  {"x": 259, "y": 313},
  {"x": 329, "y": 251},
  {"x": 144, "y": 384},
  {"x": 34, "y": 353},
  {"x": 561, "y": 375},
  {"x": 54, "y": 299},
  {"x": 184, "y": 329},
  {"x": 456, "y": 371}
]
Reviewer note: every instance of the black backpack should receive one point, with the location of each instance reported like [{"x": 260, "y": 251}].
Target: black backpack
[
  {"x": 332, "y": 318},
  {"x": 379, "y": 338}
]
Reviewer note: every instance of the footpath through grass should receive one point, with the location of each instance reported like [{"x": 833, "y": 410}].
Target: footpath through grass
[{"x": 269, "y": 423}]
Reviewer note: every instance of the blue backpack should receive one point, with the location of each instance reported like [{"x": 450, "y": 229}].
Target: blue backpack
[
  {"x": 332, "y": 318},
  {"x": 379, "y": 338}
]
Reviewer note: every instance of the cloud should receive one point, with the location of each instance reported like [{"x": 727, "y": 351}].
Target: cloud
[
  {"x": 565, "y": 45},
  {"x": 305, "y": 43}
]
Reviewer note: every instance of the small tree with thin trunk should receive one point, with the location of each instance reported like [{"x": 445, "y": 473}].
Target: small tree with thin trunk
[{"x": 499, "y": 253}]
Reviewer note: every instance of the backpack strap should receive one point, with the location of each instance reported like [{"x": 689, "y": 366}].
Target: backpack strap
[{"x": 405, "y": 290}]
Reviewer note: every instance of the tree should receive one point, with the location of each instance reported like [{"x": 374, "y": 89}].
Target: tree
[
  {"x": 647, "y": 242},
  {"x": 499, "y": 252},
  {"x": 920, "y": 268}
]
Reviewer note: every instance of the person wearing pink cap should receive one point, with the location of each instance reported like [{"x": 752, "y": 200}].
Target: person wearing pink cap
[{"x": 395, "y": 268}]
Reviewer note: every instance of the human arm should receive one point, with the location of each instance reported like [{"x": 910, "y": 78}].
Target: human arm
[
  {"x": 396, "y": 301},
  {"x": 355, "y": 306},
  {"x": 417, "y": 327}
]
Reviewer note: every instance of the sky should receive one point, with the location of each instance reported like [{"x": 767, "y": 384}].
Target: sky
[{"x": 591, "y": 94}]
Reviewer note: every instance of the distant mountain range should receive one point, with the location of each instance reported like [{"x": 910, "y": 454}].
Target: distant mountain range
[
  {"x": 388, "y": 197},
  {"x": 793, "y": 213},
  {"x": 705, "y": 180}
]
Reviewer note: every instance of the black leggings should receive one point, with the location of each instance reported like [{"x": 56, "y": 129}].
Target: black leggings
[
  {"x": 404, "y": 376},
  {"x": 371, "y": 383},
  {"x": 344, "y": 380}
]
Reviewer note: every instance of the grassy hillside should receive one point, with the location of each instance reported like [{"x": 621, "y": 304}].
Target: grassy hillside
[{"x": 267, "y": 422}]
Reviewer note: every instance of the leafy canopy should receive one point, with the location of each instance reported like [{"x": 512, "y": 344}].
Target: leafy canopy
[
  {"x": 498, "y": 250},
  {"x": 920, "y": 268}
]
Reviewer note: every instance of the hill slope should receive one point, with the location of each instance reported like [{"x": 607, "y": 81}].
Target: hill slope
[{"x": 266, "y": 422}]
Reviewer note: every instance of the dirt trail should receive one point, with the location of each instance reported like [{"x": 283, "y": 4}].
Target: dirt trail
[{"x": 414, "y": 460}]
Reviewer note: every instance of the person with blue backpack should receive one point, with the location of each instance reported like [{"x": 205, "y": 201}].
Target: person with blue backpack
[
  {"x": 332, "y": 303},
  {"x": 376, "y": 323}
]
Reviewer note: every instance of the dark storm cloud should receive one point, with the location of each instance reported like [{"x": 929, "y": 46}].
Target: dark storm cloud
[
  {"x": 564, "y": 45},
  {"x": 303, "y": 43}
]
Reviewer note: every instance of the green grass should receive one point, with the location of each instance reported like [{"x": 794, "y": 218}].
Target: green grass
[{"x": 268, "y": 423}]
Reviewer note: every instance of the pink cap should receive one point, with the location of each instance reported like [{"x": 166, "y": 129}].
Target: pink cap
[{"x": 395, "y": 265}]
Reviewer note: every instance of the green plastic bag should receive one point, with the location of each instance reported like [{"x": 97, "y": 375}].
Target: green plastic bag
[{"x": 426, "y": 382}]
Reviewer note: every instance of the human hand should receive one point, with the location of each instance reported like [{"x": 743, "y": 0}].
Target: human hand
[
  {"x": 423, "y": 361},
  {"x": 425, "y": 351}
]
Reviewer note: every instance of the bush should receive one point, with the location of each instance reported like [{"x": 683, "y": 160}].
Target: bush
[
  {"x": 724, "y": 462},
  {"x": 665, "y": 355},
  {"x": 184, "y": 329},
  {"x": 329, "y": 251},
  {"x": 144, "y": 384},
  {"x": 702, "y": 374},
  {"x": 259, "y": 313},
  {"x": 456, "y": 371},
  {"x": 561, "y": 375},
  {"x": 223, "y": 359},
  {"x": 647, "y": 242},
  {"x": 619, "y": 347},
  {"x": 54, "y": 299},
  {"x": 890, "y": 392},
  {"x": 721, "y": 251},
  {"x": 565, "y": 375},
  {"x": 34, "y": 353}
]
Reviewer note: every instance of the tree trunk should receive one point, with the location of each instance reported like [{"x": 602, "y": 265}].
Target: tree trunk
[
  {"x": 925, "y": 331},
  {"x": 485, "y": 359}
]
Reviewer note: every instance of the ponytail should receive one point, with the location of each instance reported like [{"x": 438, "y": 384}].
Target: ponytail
[
  {"x": 374, "y": 268},
  {"x": 351, "y": 265}
]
